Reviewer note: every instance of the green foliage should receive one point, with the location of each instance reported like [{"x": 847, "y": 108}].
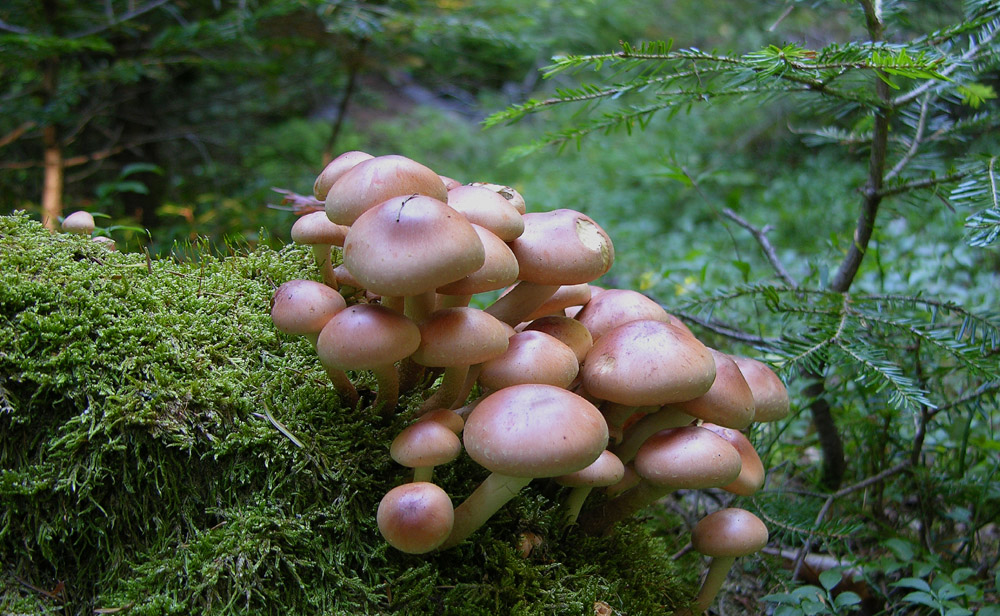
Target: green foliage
[{"x": 165, "y": 450}]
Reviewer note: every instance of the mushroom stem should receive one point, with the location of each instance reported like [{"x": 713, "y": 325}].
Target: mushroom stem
[
  {"x": 718, "y": 570},
  {"x": 447, "y": 393},
  {"x": 323, "y": 255},
  {"x": 521, "y": 301},
  {"x": 637, "y": 433},
  {"x": 343, "y": 385},
  {"x": 574, "y": 502},
  {"x": 387, "y": 381},
  {"x": 470, "y": 381},
  {"x": 453, "y": 301},
  {"x": 492, "y": 494},
  {"x": 418, "y": 307},
  {"x": 600, "y": 520},
  {"x": 423, "y": 473},
  {"x": 617, "y": 415}
]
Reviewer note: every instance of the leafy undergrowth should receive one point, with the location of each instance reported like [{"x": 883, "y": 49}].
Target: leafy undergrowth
[{"x": 164, "y": 451}]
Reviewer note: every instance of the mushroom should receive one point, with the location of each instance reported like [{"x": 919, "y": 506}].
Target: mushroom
[
  {"x": 79, "y": 222},
  {"x": 316, "y": 230},
  {"x": 487, "y": 209},
  {"x": 725, "y": 536},
  {"x": 752, "y": 473},
  {"x": 769, "y": 393},
  {"x": 336, "y": 168},
  {"x": 728, "y": 402},
  {"x": 610, "y": 308},
  {"x": 498, "y": 271},
  {"x": 454, "y": 339},
  {"x": 561, "y": 247},
  {"x": 410, "y": 246},
  {"x": 415, "y": 517},
  {"x": 569, "y": 331},
  {"x": 446, "y": 417},
  {"x": 508, "y": 193},
  {"x": 688, "y": 458},
  {"x": 369, "y": 337},
  {"x": 606, "y": 470},
  {"x": 424, "y": 445},
  {"x": 376, "y": 180},
  {"x": 520, "y": 433},
  {"x": 565, "y": 296}
]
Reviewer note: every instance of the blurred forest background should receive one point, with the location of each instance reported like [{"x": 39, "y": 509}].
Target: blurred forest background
[{"x": 176, "y": 120}]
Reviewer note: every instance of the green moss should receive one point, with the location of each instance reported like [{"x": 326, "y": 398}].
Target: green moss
[{"x": 140, "y": 466}]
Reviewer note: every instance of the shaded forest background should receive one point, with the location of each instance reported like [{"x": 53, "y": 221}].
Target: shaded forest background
[{"x": 175, "y": 122}]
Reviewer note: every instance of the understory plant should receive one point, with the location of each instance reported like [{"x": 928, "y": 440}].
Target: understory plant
[{"x": 883, "y": 314}]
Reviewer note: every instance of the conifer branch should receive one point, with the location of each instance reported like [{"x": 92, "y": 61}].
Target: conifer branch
[{"x": 761, "y": 236}]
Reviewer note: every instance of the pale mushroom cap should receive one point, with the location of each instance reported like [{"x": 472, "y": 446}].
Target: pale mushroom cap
[
  {"x": 425, "y": 443},
  {"x": 459, "y": 337},
  {"x": 336, "y": 168},
  {"x": 449, "y": 182},
  {"x": 769, "y": 393},
  {"x": 376, "y": 180},
  {"x": 531, "y": 357},
  {"x": 316, "y": 228},
  {"x": 507, "y": 192},
  {"x": 648, "y": 363},
  {"x": 752, "y": 473},
  {"x": 79, "y": 222},
  {"x": 562, "y": 247},
  {"x": 613, "y": 307},
  {"x": 534, "y": 431},
  {"x": 366, "y": 336},
  {"x": 564, "y": 297},
  {"x": 498, "y": 271},
  {"x": 606, "y": 470},
  {"x": 487, "y": 209},
  {"x": 689, "y": 458},
  {"x": 729, "y": 533},
  {"x": 416, "y": 517},
  {"x": 410, "y": 245},
  {"x": 303, "y": 307},
  {"x": 446, "y": 417},
  {"x": 569, "y": 331},
  {"x": 729, "y": 402}
]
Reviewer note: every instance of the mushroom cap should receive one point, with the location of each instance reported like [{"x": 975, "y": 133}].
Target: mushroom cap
[
  {"x": 407, "y": 246},
  {"x": 769, "y": 393},
  {"x": 449, "y": 182},
  {"x": 564, "y": 297},
  {"x": 688, "y": 458},
  {"x": 508, "y": 193},
  {"x": 610, "y": 308},
  {"x": 415, "y": 517},
  {"x": 569, "y": 331},
  {"x": 303, "y": 307},
  {"x": 366, "y": 336},
  {"x": 648, "y": 363},
  {"x": 562, "y": 247},
  {"x": 376, "y": 180},
  {"x": 752, "y": 474},
  {"x": 534, "y": 431},
  {"x": 729, "y": 402},
  {"x": 316, "y": 228},
  {"x": 531, "y": 357},
  {"x": 606, "y": 470},
  {"x": 336, "y": 168},
  {"x": 498, "y": 271},
  {"x": 459, "y": 337},
  {"x": 425, "y": 443},
  {"x": 446, "y": 417},
  {"x": 79, "y": 222},
  {"x": 487, "y": 209},
  {"x": 729, "y": 533}
]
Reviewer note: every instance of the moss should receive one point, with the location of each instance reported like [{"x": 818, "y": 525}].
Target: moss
[{"x": 164, "y": 450}]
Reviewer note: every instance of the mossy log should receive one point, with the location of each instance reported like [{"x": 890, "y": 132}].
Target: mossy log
[{"x": 163, "y": 450}]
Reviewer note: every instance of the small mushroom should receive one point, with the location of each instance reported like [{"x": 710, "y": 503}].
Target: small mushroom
[
  {"x": 415, "y": 517},
  {"x": 336, "y": 168},
  {"x": 424, "y": 445},
  {"x": 487, "y": 209},
  {"x": 606, "y": 470},
  {"x": 752, "y": 473},
  {"x": 725, "y": 536},
  {"x": 79, "y": 222},
  {"x": 569, "y": 331},
  {"x": 376, "y": 180},
  {"x": 769, "y": 393},
  {"x": 316, "y": 231}
]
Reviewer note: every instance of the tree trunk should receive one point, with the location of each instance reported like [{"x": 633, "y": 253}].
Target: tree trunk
[{"x": 52, "y": 186}]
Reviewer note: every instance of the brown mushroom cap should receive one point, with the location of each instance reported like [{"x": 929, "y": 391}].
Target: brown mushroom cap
[
  {"x": 508, "y": 193},
  {"x": 498, "y": 271},
  {"x": 411, "y": 245},
  {"x": 415, "y": 517},
  {"x": 610, "y": 308},
  {"x": 752, "y": 473},
  {"x": 530, "y": 357},
  {"x": 690, "y": 458},
  {"x": 487, "y": 209},
  {"x": 647, "y": 363},
  {"x": 562, "y": 247},
  {"x": 534, "y": 431},
  {"x": 315, "y": 228},
  {"x": 459, "y": 337},
  {"x": 425, "y": 443},
  {"x": 569, "y": 331},
  {"x": 304, "y": 307},
  {"x": 729, "y": 533},
  {"x": 729, "y": 402},
  {"x": 376, "y": 180},
  {"x": 606, "y": 470},
  {"x": 365, "y": 337},
  {"x": 769, "y": 393},
  {"x": 79, "y": 222},
  {"x": 336, "y": 168},
  {"x": 446, "y": 417}
]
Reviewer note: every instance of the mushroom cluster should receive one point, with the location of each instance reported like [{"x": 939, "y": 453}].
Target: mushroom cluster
[{"x": 591, "y": 387}]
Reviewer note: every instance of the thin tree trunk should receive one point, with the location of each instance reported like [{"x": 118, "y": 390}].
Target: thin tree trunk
[
  {"x": 354, "y": 70},
  {"x": 52, "y": 186}
]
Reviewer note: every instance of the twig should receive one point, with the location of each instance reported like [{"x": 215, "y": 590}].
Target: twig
[
  {"x": 727, "y": 331},
  {"x": 127, "y": 16},
  {"x": 761, "y": 236},
  {"x": 301, "y": 204},
  {"x": 918, "y": 136}
]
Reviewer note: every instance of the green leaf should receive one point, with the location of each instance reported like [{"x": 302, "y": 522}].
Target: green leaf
[
  {"x": 922, "y": 598},
  {"x": 975, "y": 94},
  {"x": 915, "y": 583},
  {"x": 782, "y": 598},
  {"x": 846, "y": 599},
  {"x": 830, "y": 578}
]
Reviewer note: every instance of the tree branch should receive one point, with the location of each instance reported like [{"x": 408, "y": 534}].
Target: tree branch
[
  {"x": 761, "y": 236},
  {"x": 114, "y": 22},
  {"x": 15, "y": 134}
]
